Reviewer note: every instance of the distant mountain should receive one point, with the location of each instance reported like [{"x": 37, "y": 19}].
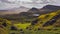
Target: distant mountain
[
  {"x": 51, "y": 7},
  {"x": 33, "y": 10},
  {"x": 44, "y": 10},
  {"x": 48, "y": 9},
  {"x": 23, "y": 14},
  {"x": 14, "y": 10}
]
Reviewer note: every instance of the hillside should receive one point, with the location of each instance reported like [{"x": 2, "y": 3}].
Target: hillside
[
  {"x": 45, "y": 23},
  {"x": 28, "y": 16},
  {"x": 46, "y": 20}
]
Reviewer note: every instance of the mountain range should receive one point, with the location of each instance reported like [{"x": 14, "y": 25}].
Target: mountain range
[
  {"x": 26, "y": 14},
  {"x": 45, "y": 9}
]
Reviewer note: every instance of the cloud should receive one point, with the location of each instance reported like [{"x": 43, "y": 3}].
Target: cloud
[
  {"x": 5, "y": 5},
  {"x": 55, "y": 2}
]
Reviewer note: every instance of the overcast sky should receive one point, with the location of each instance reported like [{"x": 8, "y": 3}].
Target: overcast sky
[{"x": 8, "y": 4}]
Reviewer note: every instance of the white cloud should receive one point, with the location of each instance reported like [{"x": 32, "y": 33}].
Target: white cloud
[
  {"x": 27, "y": 3},
  {"x": 55, "y": 2}
]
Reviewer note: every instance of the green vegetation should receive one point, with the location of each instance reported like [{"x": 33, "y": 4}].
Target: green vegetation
[
  {"x": 22, "y": 26},
  {"x": 46, "y": 24},
  {"x": 46, "y": 18}
]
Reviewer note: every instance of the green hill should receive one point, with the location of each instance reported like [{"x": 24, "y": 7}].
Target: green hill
[{"x": 46, "y": 20}]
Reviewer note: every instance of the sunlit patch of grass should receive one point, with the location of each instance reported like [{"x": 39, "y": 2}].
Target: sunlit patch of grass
[{"x": 22, "y": 26}]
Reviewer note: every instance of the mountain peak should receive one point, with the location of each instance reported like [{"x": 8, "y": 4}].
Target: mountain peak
[
  {"x": 51, "y": 7},
  {"x": 33, "y": 9}
]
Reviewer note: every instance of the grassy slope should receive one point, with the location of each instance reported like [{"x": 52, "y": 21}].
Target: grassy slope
[
  {"x": 3, "y": 29},
  {"x": 43, "y": 19}
]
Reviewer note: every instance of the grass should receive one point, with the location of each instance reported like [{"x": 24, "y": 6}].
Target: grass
[
  {"x": 39, "y": 31},
  {"x": 22, "y": 26}
]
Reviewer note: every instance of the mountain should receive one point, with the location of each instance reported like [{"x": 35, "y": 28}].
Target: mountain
[
  {"x": 44, "y": 10},
  {"x": 34, "y": 10},
  {"x": 51, "y": 7},
  {"x": 48, "y": 9},
  {"x": 14, "y": 10}
]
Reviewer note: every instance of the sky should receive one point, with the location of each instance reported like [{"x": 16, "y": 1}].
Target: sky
[{"x": 9, "y": 4}]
